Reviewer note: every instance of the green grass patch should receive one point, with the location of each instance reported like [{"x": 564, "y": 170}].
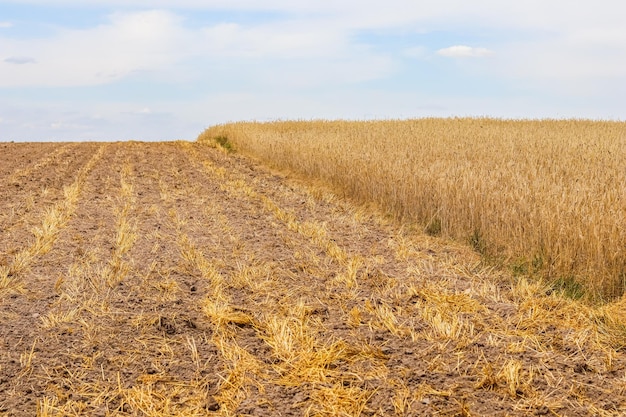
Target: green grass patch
[{"x": 223, "y": 142}]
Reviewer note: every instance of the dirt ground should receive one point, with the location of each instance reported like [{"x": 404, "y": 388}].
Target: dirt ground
[{"x": 175, "y": 279}]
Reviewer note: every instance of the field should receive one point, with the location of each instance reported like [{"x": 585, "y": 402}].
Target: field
[
  {"x": 545, "y": 197},
  {"x": 179, "y": 279}
]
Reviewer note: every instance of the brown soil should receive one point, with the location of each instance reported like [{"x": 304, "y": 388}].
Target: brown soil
[{"x": 183, "y": 280}]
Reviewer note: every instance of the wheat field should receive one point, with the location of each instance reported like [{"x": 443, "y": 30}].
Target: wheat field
[{"x": 545, "y": 197}]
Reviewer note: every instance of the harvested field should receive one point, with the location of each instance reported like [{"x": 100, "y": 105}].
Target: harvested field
[{"x": 176, "y": 279}]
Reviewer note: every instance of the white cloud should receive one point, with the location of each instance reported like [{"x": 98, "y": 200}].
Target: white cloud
[
  {"x": 538, "y": 14},
  {"x": 6, "y": 25},
  {"x": 583, "y": 62},
  {"x": 305, "y": 51},
  {"x": 464, "y": 51},
  {"x": 288, "y": 39},
  {"x": 20, "y": 60},
  {"x": 129, "y": 43}
]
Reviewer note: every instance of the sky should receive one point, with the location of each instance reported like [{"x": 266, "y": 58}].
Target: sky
[{"x": 165, "y": 70}]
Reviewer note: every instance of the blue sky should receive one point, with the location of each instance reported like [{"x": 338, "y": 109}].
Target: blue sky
[{"x": 160, "y": 69}]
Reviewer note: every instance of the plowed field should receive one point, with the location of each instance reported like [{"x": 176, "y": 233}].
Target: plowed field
[{"x": 175, "y": 279}]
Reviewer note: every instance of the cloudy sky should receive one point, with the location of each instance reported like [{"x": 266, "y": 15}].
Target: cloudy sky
[{"x": 161, "y": 69}]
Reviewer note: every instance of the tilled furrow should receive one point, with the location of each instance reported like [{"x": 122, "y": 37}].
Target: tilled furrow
[
  {"x": 28, "y": 288},
  {"x": 32, "y": 170},
  {"x": 16, "y": 158},
  {"x": 45, "y": 233},
  {"x": 151, "y": 306},
  {"x": 27, "y": 199}
]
